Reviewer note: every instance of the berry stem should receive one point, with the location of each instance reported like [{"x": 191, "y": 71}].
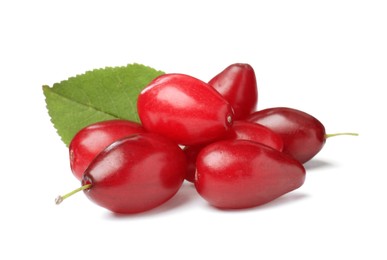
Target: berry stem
[
  {"x": 59, "y": 199},
  {"x": 336, "y": 134}
]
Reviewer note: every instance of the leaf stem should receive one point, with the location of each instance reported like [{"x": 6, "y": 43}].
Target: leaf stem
[
  {"x": 336, "y": 134},
  {"x": 59, "y": 199}
]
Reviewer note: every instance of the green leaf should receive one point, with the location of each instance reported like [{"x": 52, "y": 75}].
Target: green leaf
[{"x": 98, "y": 95}]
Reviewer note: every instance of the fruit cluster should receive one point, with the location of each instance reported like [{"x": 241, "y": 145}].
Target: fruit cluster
[{"x": 206, "y": 133}]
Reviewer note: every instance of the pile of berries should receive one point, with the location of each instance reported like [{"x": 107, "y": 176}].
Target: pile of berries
[{"x": 206, "y": 133}]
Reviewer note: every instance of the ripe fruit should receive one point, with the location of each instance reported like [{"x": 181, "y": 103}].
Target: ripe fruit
[
  {"x": 92, "y": 139},
  {"x": 235, "y": 157},
  {"x": 238, "y": 85},
  {"x": 184, "y": 109},
  {"x": 191, "y": 152},
  {"x": 135, "y": 174},
  {"x": 244, "y": 130},
  {"x": 240, "y": 130},
  {"x": 234, "y": 174},
  {"x": 303, "y": 135}
]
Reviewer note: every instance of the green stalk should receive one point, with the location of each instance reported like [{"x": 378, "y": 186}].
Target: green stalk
[
  {"x": 59, "y": 199},
  {"x": 336, "y": 134}
]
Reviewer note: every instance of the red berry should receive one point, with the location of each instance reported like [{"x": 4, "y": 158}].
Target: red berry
[
  {"x": 234, "y": 174},
  {"x": 302, "y": 134},
  {"x": 92, "y": 139},
  {"x": 191, "y": 152},
  {"x": 240, "y": 130},
  {"x": 238, "y": 85},
  {"x": 184, "y": 109},
  {"x": 243, "y": 130},
  {"x": 135, "y": 174}
]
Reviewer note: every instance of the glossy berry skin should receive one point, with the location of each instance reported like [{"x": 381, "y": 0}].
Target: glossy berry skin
[
  {"x": 244, "y": 130},
  {"x": 237, "y": 174},
  {"x": 238, "y": 85},
  {"x": 241, "y": 130},
  {"x": 184, "y": 109},
  {"x": 191, "y": 152},
  {"x": 92, "y": 139},
  {"x": 303, "y": 134},
  {"x": 136, "y": 173}
]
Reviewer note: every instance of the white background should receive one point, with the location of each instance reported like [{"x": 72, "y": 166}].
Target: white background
[{"x": 328, "y": 58}]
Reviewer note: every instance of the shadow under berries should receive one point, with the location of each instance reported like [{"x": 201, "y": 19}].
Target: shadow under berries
[{"x": 315, "y": 164}]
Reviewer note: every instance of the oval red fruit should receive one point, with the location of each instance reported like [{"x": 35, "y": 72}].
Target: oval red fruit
[
  {"x": 303, "y": 135},
  {"x": 136, "y": 173},
  {"x": 184, "y": 109},
  {"x": 238, "y": 85},
  {"x": 92, "y": 139},
  {"x": 240, "y": 130},
  {"x": 243, "y": 130},
  {"x": 235, "y": 174}
]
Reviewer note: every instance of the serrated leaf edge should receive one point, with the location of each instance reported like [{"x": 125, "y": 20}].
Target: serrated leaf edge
[
  {"x": 102, "y": 68},
  {"x": 48, "y": 88}
]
